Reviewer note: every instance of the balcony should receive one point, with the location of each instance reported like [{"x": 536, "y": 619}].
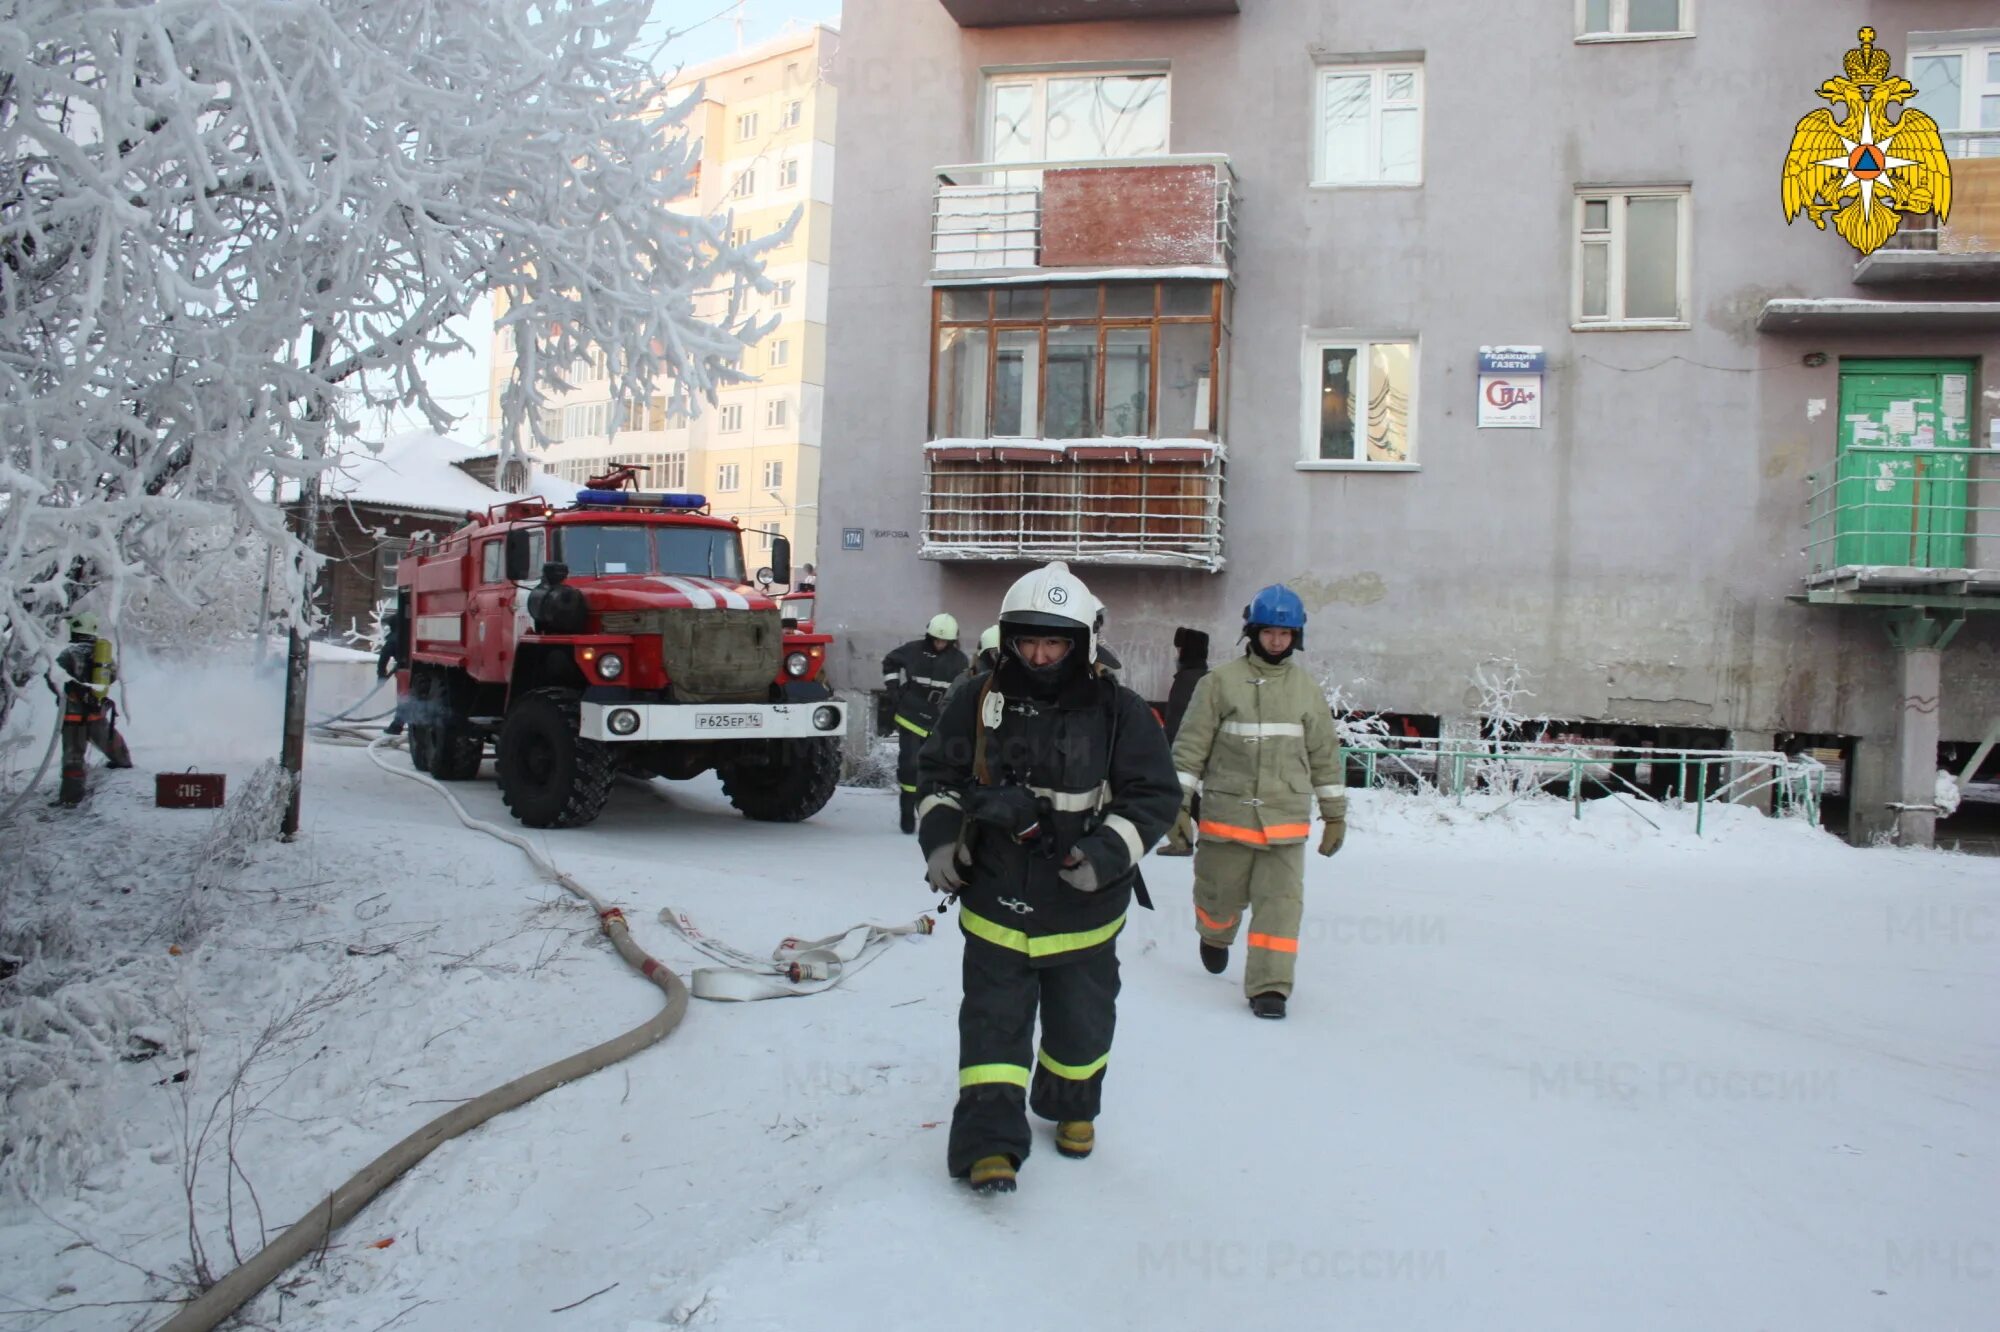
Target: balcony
[
  {"x": 1153, "y": 502},
  {"x": 1171, "y": 216},
  {"x": 1009, "y": 13},
  {"x": 1905, "y": 527},
  {"x": 1963, "y": 252}
]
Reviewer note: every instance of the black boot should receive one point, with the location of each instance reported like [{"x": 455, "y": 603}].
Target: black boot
[
  {"x": 1270, "y": 1004},
  {"x": 909, "y": 803},
  {"x": 1215, "y": 959}
]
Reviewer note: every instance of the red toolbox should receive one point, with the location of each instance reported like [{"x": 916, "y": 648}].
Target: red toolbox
[{"x": 188, "y": 790}]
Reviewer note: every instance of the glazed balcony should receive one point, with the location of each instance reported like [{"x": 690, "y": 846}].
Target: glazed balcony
[
  {"x": 1154, "y": 216},
  {"x": 1011, "y": 13}
]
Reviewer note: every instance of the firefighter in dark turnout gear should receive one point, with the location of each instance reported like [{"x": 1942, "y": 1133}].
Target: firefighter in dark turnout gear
[
  {"x": 89, "y": 716},
  {"x": 916, "y": 676},
  {"x": 1043, "y": 784}
]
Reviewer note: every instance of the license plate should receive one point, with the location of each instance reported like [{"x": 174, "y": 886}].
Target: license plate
[{"x": 729, "y": 721}]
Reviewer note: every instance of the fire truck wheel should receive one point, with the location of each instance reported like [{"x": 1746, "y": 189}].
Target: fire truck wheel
[
  {"x": 549, "y": 776},
  {"x": 422, "y": 739},
  {"x": 794, "y": 786},
  {"x": 456, "y": 749}
]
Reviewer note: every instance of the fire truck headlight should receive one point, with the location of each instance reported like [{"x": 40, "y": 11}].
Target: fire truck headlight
[
  {"x": 825, "y": 719},
  {"x": 622, "y": 721},
  {"x": 610, "y": 665},
  {"x": 796, "y": 664}
]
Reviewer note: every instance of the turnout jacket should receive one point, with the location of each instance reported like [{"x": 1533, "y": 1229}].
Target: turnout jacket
[
  {"x": 917, "y": 679},
  {"x": 1097, "y": 763},
  {"x": 1259, "y": 741},
  {"x": 90, "y": 662}
]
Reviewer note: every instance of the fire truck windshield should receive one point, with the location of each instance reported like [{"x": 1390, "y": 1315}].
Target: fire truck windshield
[{"x": 637, "y": 548}]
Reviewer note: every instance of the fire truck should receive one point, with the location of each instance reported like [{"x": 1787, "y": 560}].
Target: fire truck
[{"x": 618, "y": 633}]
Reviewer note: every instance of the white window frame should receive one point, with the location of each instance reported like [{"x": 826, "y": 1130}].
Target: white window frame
[
  {"x": 777, "y": 414},
  {"x": 1376, "y": 103},
  {"x": 739, "y": 238},
  {"x": 780, "y": 353},
  {"x": 745, "y": 184},
  {"x": 1614, "y": 319},
  {"x": 1038, "y": 80},
  {"x": 1621, "y": 17},
  {"x": 1972, "y": 50},
  {"x": 782, "y": 293},
  {"x": 788, "y": 173},
  {"x": 774, "y": 473},
  {"x": 673, "y": 472},
  {"x": 746, "y": 126},
  {"x": 1309, "y": 413},
  {"x": 729, "y": 418},
  {"x": 728, "y": 476},
  {"x": 795, "y": 111}
]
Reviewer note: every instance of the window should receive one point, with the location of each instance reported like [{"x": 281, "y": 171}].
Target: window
[
  {"x": 493, "y": 566},
  {"x": 788, "y": 173},
  {"x": 552, "y": 424},
  {"x": 1360, "y": 403},
  {"x": 672, "y": 473},
  {"x": 739, "y": 237},
  {"x": 1635, "y": 18},
  {"x": 746, "y": 125},
  {"x": 745, "y": 184},
  {"x": 1077, "y": 360},
  {"x": 728, "y": 476},
  {"x": 777, "y": 412},
  {"x": 586, "y": 420},
  {"x": 794, "y": 112},
  {"x": 1371, "y": 125},
  {"x": 1058, "y": 117},
  {"x": 638, "y": 415},
  {"x": 774, "y": 474},
  {"x": 730, "y": 417},
  {"x": 1958, "y": 86},
  {"x": 1631, "y": 258},
  {"x": 767, "y": 532},
  {"x": 782, "y": 294},
  {"x": 387, "y": 556},
  {"x": 781, "y": 352}
]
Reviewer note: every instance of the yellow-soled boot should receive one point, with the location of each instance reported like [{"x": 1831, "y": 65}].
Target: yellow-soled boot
[
  {"x": 993, "y": 1174},
  {"x": 1075, "y": 1138}
]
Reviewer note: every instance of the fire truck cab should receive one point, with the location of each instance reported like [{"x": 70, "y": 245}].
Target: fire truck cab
[{"x": 619, "y": 633}]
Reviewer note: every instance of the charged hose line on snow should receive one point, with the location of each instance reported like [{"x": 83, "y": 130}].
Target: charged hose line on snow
[
  {"x": 226, "y": 1296},
  {"x": 36, "y": 780}
]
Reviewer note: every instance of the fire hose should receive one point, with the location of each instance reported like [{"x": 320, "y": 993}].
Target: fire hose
[{"x": 797, "y": 967}]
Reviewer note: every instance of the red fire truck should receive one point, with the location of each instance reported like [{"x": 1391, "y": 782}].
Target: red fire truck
[{"x": 639, "y": 646}]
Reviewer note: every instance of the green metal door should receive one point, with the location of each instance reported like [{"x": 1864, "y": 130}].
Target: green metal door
[{"x": 1905, "y": 431}]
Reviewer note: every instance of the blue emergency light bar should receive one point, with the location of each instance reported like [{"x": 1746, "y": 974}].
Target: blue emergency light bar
[{"x": 642, "y": 499}]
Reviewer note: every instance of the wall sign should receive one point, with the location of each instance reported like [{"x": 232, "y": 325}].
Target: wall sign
[
  {"x": 850, "y": 538},
  {"x": 1510, "y": 387}
]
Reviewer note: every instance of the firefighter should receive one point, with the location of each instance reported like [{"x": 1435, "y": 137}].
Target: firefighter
[
  {"x": 1044, "y": 783},
  {"x": 1258, "y": 740},
  {"x": 395, "y": 655},
  {"x": 1191, "y": 664},
  {"x": 89, "y": 715},
  {"x": 916, "y": 676},
  {"x": 988, "y": 655}
]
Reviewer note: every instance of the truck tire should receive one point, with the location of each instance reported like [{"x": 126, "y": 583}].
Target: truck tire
[
  {"x": 794, "y": 786},
  {"x": 550, "y": 776},
  {"x": 422, "y": 738},
  {"x": 456, "y": 748}
]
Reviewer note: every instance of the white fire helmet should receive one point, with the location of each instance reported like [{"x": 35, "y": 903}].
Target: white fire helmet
[
  {"x": 1052, "y": 597},
  {"x": 990, "y": 639},
  {"x": 83, "y": 625},
  {"x": 942, "y": 626}
]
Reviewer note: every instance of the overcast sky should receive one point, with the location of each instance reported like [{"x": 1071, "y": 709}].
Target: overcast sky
[{"x": 703, "y": 30}]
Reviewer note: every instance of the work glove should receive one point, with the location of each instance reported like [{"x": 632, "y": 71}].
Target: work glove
[
  {"x": 1335, "y": 831},
  {"x": 1180, "y": 837},
  {"x": 941, "y": 867},
  {"x": 1079, "y": 873},
  {"x": 1012, "y": 809}
]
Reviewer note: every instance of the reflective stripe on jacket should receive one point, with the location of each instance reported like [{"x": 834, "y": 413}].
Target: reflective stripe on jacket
[{"x": 1259, "y": 742}]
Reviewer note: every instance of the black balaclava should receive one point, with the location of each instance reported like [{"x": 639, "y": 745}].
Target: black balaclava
[{"x": 1250, "y": 631}]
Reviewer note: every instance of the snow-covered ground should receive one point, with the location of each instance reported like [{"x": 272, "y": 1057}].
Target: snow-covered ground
[{"x": 1538, "y": 1074}]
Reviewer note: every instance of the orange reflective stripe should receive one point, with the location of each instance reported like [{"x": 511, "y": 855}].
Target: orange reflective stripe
[
  {"x": 1277, "y": 943},
  {"x": 1288, "y": 830},
  {"x": 1230, "y": 834},
  {"x": 1211, "y": 921}
]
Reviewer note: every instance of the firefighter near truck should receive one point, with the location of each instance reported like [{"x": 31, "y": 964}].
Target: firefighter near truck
[{"x": 639, "y": 646}]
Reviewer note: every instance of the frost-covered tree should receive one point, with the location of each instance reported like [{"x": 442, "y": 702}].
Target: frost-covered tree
[{"x": 225, "y": 225}]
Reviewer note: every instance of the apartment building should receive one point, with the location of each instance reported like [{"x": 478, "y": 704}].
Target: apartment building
[
  {"x": 766, "y": 125},
  {"x": 1480, "y": 325}
]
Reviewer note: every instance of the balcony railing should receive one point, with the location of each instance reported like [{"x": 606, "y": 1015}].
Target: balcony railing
[
  {"x": 1974, "y": 227},
  {"x": 1890, "y": 516},
  {"x": 1003, "y": 13},
  {"x": 1137, "y": 502},
  {"x": 990, "y": 219}
]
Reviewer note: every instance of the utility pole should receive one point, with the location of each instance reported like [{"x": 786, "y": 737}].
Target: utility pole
[{"x": 298, "y": 658}]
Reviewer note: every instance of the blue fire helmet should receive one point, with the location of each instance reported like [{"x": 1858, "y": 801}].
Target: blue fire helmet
[{"x": 1276, "y": 607}]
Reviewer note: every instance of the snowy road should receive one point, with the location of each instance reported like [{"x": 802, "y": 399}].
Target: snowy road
[{"x": 1538, "y": 1074}]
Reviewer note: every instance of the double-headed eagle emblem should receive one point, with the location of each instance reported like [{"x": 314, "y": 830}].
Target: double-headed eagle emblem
[{"x": 1862, "y": 169}]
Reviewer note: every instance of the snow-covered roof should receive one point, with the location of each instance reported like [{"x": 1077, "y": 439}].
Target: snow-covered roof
[{"x": 418, "y": 471}]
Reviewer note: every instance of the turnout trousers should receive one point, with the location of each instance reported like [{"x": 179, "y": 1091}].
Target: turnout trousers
[
  {"x": 908, "y": 745},
  {"x": 87, "y": 721},
  {"x": 1270, "y": 881},
  {"x": 1001, "y": 1071}
]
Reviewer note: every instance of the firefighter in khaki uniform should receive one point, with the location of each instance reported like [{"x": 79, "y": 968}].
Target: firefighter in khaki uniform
[
  {"x": 1258, "y": 740},
  {"x": 89, "y": 716},
  {"x": 1044, "y": 783}
]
